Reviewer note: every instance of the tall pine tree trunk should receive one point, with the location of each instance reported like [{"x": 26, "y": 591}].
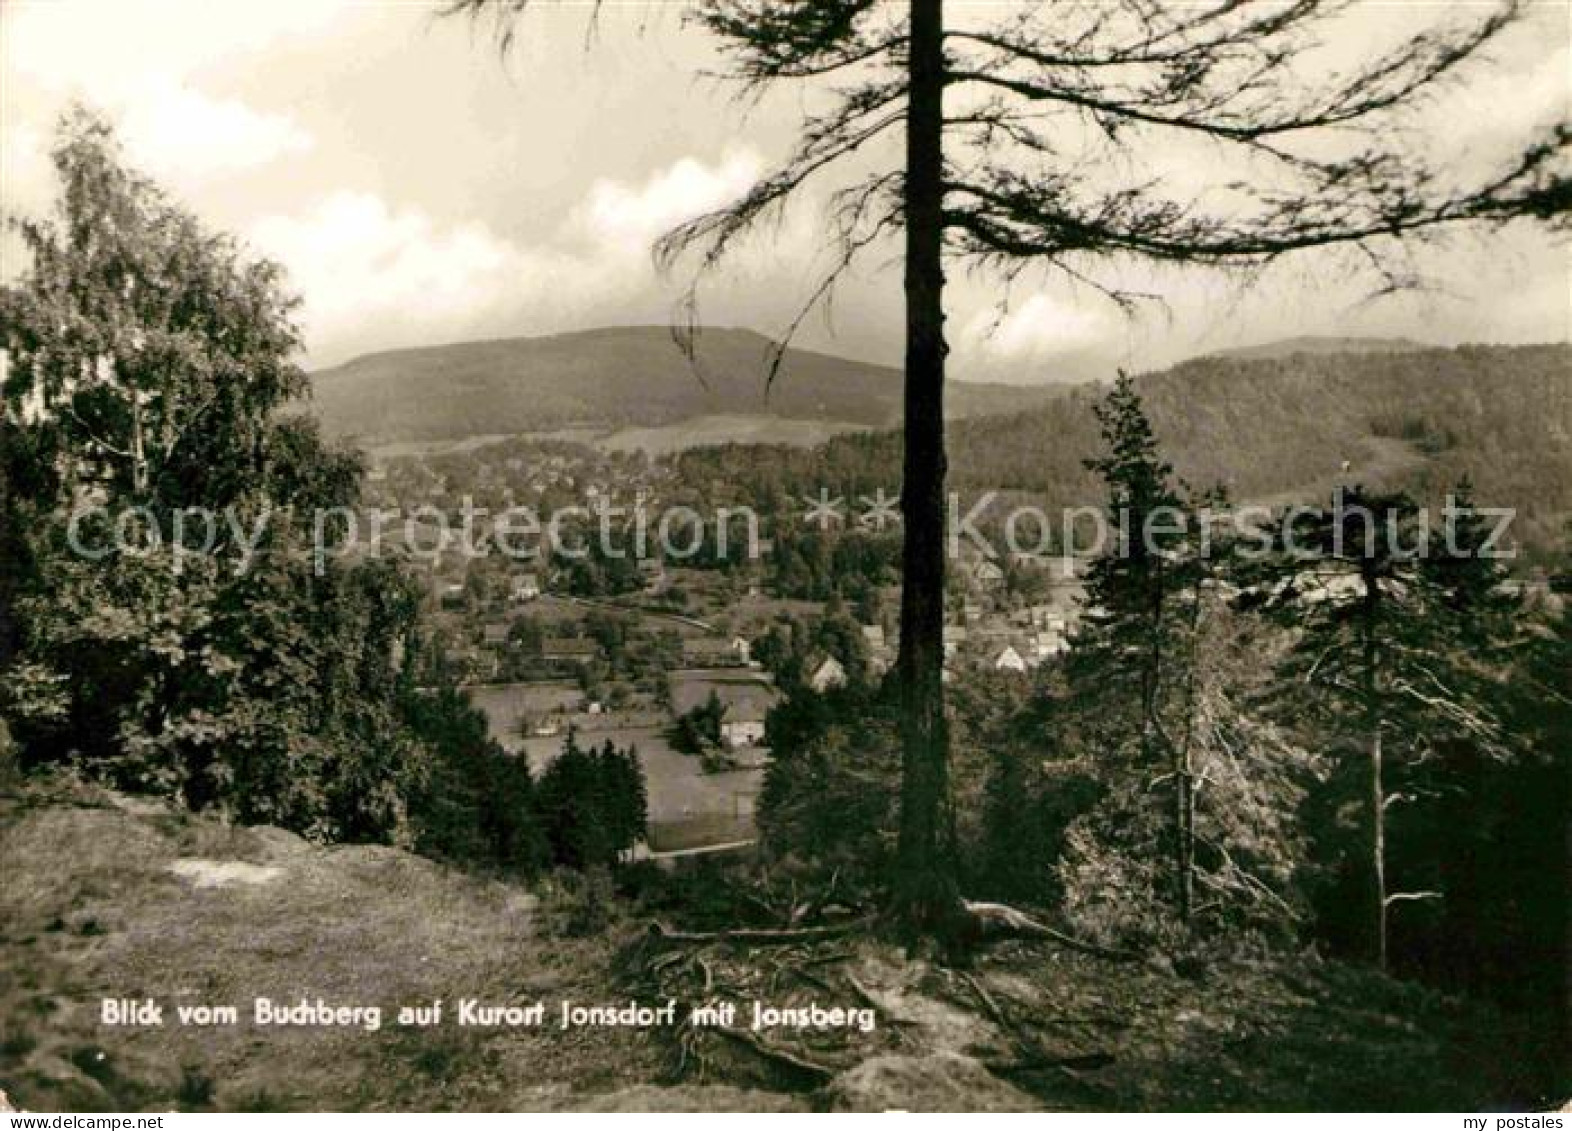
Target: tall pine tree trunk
[
  {"x": 926, "y": 894},
  {"x": 1378, "y": 843},
  {"x": 1375, "y": 723},
  {"x": 1184, "y": 764},
  {"x": 138, "y": 448},
  {"x": 1184, "y": 835}
]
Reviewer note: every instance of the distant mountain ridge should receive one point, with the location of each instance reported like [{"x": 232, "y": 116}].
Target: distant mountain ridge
[{"x": 614, "y": 378}]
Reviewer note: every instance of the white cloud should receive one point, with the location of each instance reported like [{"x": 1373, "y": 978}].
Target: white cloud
[
  {"x": 107, "y": 45},
  {"x": 172, "y": 131},
  {"x": 362, "y": 266},
  {"x": 630, "y": 217},
  {"x": 374, "y": 275},
  {"x": 139, "y": 63},
  {"x": 1040, "y": 328},
  {"x": 176, "y": 132}
]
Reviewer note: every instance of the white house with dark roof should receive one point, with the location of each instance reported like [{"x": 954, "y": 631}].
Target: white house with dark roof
[{"x": 745, "y": 701}]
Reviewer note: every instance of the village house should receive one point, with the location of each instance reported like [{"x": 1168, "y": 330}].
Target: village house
[
  {"x": 745, "y": 701},
  {"x": 715, "y": 652},
  {"x": 1335, "y": 587},
  {"x": 1067, "y": 587},
  {"x": 988, "y": 574},
  {"x": 881, "y": 652},
  {"x": 826, "y": 674},
  {"x": 1047, "y": 644},
  {"x": 569, "y": 649},
  {"x": 1008, "y": 659},
  {"x": 955, "y": 637},
  {"x": 744, "y": 725},
  {"x": 494, "y": 634},
  {"x": 1039, "y": 616},
  {"x": 526, "y": 587}
]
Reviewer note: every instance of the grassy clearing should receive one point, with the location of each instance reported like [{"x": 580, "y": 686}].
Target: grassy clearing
[{"x": 92, "y": 907}]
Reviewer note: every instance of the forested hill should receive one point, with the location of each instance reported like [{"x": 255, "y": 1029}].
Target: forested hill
[
  {"x": 1280, "y": 429},
  {"x": 611, "y": 378},
  {"x": 1287, "y": 347}
]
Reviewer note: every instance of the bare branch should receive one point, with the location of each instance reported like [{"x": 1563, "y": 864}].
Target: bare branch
[
  {"x": 505, "y": 16},
  {"x": 1411, "y": 896},
  {"x": 1189, "y": 98}
]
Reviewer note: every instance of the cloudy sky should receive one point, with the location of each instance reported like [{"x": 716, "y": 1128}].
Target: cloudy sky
[{"x": 420, "y": 190}]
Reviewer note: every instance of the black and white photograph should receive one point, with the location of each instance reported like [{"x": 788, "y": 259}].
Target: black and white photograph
[{"x": 792, "y": 556}]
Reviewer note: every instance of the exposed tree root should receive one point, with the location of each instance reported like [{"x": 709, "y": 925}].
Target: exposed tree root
[
  {"x": 1028, "y": 1055},
  {"x": 802, "y": 1073},
  {"x": 996, "y": 921},
  {"x": 986, "y": 999}
]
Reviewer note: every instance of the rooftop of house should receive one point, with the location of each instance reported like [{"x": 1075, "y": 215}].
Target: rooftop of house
[
  {"x": 568, "y": 646},
  {"x": 745, "y": 698},
  {"x": 708, "y": 645}
]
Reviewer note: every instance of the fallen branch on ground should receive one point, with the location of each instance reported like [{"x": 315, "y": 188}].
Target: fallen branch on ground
[
  {"x": 662, "y": 934},
  {"x": 1079, "y": 1062}
]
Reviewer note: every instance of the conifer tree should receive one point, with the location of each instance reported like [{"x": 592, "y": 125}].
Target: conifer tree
[
  {"x": 1133, "y": 659},
  {"x": 573, "y": 814},
  {"x": 623, "y": 796},
  {"x": 1015, "y": 855},
  {"x": 1377, "y": 664}
]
